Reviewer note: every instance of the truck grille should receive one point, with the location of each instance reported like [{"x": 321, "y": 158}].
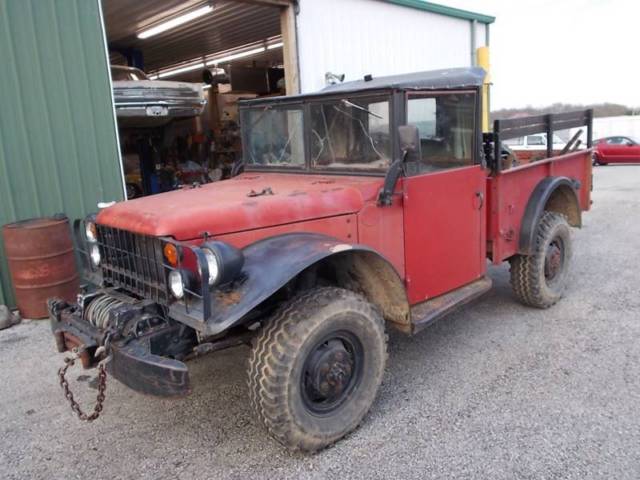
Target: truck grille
[{"x": 134, "y": 263}]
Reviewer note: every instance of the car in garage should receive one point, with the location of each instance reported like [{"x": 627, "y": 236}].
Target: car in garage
[
  {"x": 141, "y": 102},
  {"x": 617, "y": 149}
]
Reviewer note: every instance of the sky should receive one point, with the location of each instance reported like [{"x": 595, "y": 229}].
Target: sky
[{"x": 569, "y": 51}]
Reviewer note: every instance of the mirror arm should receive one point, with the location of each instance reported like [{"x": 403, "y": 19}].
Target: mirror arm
[{"x": 385, "y": 196}]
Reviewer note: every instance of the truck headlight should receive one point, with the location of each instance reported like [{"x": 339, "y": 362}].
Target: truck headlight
[
  {"x": 90, "y": 232},
  {"x": 176, "y": 283},
  {"x": 212, "y": 263},
  {"x": 95, "y": 255},
  {"x": 225, "y": 262}
]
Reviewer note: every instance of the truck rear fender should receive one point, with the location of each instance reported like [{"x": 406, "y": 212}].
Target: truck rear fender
[
  {"x": 554, "y": 194},
  {"x": 299, "y": 260}
]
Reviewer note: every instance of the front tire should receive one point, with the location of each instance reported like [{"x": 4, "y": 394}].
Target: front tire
[
  {"x": 597, "y": 161},
  {"x": 316, "y": 367},
  {"x": 540, "y": 279}
]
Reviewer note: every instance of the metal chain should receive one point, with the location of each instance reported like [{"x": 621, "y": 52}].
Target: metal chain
[{"x": 102, "y": 386}]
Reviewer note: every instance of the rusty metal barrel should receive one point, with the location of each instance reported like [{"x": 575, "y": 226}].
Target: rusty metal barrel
[{"x": 41, "y": 263}]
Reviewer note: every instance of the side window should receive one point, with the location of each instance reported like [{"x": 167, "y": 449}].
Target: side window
[
  {"x": 446, "y": 124},
  {"x": 536, "y": 140},
  {"x": 514, "y": 142}
]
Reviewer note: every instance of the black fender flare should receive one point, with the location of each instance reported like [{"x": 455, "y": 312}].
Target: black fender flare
[
  {"x": 536, "y": 205},
  {"x": 272, "y": 262}
]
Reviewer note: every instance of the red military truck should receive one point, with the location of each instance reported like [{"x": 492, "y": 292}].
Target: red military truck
[{"x": 368, "y": 205}]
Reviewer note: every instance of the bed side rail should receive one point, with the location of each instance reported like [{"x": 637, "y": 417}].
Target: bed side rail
[{"x": 521, "y": 127}]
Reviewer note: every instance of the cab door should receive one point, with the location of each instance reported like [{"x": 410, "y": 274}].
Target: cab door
[{"x": 444, "y": 197}]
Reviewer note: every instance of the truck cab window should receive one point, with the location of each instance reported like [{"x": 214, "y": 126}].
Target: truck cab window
[
  {"x": 446, "y": 124},
  {"x": 351, "y": 133},
  {"x": 275, "y": 136}
]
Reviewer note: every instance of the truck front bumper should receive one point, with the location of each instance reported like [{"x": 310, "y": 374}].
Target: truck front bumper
[{"x": 133, "y": 360}]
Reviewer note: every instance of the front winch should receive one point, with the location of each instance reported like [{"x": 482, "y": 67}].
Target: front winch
[{"x": 132, "y": 339}]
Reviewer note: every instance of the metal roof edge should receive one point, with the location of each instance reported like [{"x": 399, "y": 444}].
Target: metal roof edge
[{"x": 443, "y": 10}]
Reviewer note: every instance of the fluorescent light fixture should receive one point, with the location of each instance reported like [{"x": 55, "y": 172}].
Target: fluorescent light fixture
[
  {"x": 275, "y": 45},
  {"x": 235, "y": 56},
  {"x": 206, "y": 87},
  {"x": 176, "y": 71},
  {"x": 174, "y": 22}
]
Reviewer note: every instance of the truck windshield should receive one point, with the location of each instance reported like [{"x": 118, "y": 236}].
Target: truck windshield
[
  {"x": 274, "y": 136},
  {"x": 350, "y": 133}
]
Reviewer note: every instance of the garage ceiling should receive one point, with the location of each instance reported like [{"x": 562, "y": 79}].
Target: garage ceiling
[{"x": 230, "y": 25}]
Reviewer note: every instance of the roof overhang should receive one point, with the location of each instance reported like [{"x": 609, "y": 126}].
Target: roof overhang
[{"x": 443, "y": 10}]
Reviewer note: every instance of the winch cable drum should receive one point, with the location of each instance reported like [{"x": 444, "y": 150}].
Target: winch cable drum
[{"x": 97, "y": 313}]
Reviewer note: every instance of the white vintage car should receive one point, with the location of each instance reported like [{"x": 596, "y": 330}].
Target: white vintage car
[
  {"x": 141, "y": 102},
  {"x": 534, "y": 142}
]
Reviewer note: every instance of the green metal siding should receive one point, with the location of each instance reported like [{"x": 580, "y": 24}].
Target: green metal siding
[{"x": 58, "y": 138}]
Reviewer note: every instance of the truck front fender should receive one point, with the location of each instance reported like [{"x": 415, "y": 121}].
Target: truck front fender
[
  {"x": 272, "y": 263},
  {"x": 555, "y": 194}
]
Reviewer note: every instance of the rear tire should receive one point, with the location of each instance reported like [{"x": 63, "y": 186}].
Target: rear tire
[
  {"x": 316, "y": 367},
  {"x": 540, "y": 279}
]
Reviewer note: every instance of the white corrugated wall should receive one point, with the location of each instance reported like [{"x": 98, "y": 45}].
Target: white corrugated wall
[
  {"x": 358, "y": 37},
  {"x": 623, "y": 126}
]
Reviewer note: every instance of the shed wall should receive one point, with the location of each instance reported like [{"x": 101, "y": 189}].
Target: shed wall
[
  {"x": 358, "y": 37},
  {"x": 58, "y": 139}
]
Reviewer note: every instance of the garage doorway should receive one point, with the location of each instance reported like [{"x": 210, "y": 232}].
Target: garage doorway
[{"x": 179, "y": 69}]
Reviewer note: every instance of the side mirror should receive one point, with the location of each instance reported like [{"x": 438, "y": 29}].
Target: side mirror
[{"x": 409, "y": 140}]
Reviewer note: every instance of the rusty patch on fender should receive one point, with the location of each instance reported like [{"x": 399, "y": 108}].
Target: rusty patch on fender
[{"x": 229, "y": 298}]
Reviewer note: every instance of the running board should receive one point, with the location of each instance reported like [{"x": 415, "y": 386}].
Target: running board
[{"x": 425, "y": 313}]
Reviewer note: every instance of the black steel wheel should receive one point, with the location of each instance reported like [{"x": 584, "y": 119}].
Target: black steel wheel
[
  {"x": 316, "y": 367},
  {"x": 540, "y": 279},
  {"x": 331, "y": 372}
]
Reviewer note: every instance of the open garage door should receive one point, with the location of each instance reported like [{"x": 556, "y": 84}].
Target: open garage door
[{"x": 179, "y": 69}]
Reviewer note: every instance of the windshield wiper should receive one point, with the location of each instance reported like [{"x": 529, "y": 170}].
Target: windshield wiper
[{"x": 360, "y": 107}]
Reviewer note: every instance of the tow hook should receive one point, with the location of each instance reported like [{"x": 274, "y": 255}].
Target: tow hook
[{"x": 102, "y": 379}]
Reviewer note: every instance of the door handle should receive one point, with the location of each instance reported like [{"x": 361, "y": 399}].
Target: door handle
[{"x": 480, "y": 197}]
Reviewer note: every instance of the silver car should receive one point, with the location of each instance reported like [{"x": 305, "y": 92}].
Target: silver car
[{"x": 141, "y": 102}]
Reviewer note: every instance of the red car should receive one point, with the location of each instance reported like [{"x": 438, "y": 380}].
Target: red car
[{"x": 616, "y": 150}]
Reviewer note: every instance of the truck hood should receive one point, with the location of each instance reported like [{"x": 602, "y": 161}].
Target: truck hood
[{"x": 247, "y": 202}]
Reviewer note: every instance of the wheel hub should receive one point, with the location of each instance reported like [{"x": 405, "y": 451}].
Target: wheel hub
[
  {"x": 553, "y": 261},
  {"x": 329, "y": 375}
]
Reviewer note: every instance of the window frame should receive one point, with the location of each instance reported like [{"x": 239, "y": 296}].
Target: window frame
[{"x": 477, "y": 157}]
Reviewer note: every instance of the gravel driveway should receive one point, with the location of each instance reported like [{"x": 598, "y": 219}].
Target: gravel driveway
[{"x": 495, "y": 391}]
